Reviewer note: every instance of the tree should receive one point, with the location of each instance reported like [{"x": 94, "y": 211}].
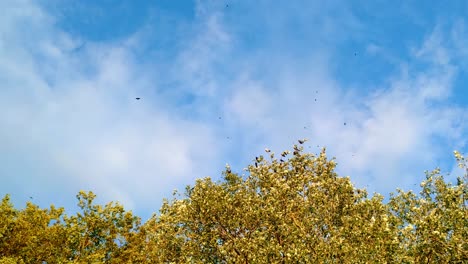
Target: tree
[
  {"x": 433, "y": 227},
  {"x": 296, "y": 210},
  {"x": 97, "y": 234},
  {"x": 30, "y": 233},
  {"x": 283, "y": 212}
]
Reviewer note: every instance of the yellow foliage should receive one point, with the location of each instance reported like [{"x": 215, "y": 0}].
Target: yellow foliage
[{"x": 285, "y": 211}]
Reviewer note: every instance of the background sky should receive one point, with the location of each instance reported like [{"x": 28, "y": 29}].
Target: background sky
[{"x": 219, "y": 81}]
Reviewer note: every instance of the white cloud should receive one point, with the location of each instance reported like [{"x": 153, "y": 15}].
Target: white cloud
[
  {"x": 391, "y": 135},
  {"x": 69, "y": 114},
  {"x": 249, "y": 103},
  {"x": 73, "y": 106}
]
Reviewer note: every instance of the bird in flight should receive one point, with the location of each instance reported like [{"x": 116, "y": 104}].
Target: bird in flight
[{"x": 138, "y": 98}]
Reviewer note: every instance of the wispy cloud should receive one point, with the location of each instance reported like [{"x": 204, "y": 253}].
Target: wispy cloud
[
  {"x": 71, "y": 108},
  {"x": 229, "y": 88}
]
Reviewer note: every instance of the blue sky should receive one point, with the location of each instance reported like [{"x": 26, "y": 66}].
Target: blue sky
[{"x": 219, "y": 82}]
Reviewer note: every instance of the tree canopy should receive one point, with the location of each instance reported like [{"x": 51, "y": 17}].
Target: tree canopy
[{"x": 296, "y": 210}]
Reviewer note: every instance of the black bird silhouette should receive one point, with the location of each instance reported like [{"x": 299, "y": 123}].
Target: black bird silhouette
[
  {"x": 138, "y": 98},
  {"x": 302, "y": 141},
  {"x": 345, "y": 123}
]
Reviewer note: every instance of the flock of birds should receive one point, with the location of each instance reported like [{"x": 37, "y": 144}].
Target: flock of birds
[
  {"x": 301, "y": 141},
  {"x": 257, "y": 159}
]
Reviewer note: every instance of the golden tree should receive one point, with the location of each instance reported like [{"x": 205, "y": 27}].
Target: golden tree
[{"x": 295, "y": 209}]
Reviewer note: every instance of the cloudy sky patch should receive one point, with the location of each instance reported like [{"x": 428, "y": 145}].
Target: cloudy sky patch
[{"x": 382, "y": 88}]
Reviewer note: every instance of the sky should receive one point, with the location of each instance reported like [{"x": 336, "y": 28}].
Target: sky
[{"x": 382, "y": 85}]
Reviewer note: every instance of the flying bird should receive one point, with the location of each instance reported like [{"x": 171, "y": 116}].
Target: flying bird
[
  {"x": 302, "y": 141},
  {"x": 138, "y": 98},
  {"x": 267, "y": 150},
  {"x": 345, "y": 123}
]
